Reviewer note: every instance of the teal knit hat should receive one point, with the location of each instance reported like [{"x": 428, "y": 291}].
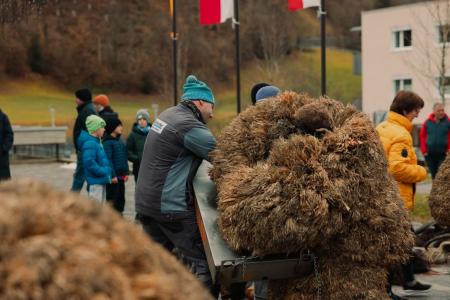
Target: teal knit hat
[
  {"x": 195, "y": 89},
  {"x": 94, "y": 123}
]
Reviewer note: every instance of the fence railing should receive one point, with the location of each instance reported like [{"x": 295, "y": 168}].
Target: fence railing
[{"x": 39, "y": 142}]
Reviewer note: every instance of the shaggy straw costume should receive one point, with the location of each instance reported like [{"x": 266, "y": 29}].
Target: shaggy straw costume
[
  {"x": 60, "y": 246},
  {"x": 297, "y": 173},
  {"x": 440, "y": 195}
]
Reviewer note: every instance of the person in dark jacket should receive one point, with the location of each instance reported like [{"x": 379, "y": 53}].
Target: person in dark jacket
[
  {"x": 117, "y": 154},
  {"x": 136, "y": 140},
  {"x": 266, "y": 92},
  {"x": 97, "y": 167},
  {"x": 177, "y": 143},
  {"x": 103, "y": 108},
  {"x": 6, "y": 143},
  {"x": 255, "y": 90},
  {"x": 84, "y": 108},
  {"x": 434, "y": 138}
]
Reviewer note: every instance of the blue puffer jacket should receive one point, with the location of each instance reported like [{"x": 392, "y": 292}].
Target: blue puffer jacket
[
  {"x": 96, "y": 165},
  {"x": 117, "y": 154}
]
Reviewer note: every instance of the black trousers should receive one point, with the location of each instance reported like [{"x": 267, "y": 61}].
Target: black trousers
[
  {"x": 115, "y": 194},
  {"x": 182, "y": 234},
  {"x": 407, "y": 272},
  {"x": 434, "y": 161},
  {"x": 5, "y": 173}
]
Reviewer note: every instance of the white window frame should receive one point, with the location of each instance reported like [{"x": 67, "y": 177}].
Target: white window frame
[
  {"x": 438, "y": 94},
  {"x": 402, "y": 46},
  {"x": 402, "y": 84},
  {"x": 438, "y": 35}
]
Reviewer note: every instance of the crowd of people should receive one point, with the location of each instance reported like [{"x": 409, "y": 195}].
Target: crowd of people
[
  {"x": 102, "y": 155},
  {"x": 165, "y": 157}
]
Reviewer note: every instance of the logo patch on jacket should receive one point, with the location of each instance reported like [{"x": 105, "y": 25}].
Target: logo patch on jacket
[
  {"x": 158, "y": 126},
  {"x": 405, "y": 153}
]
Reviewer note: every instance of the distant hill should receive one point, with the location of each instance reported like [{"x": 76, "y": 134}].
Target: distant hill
[{"x": 126, "y": 46}]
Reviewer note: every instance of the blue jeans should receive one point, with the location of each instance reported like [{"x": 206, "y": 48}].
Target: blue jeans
[{"x": 78, "y": 175}]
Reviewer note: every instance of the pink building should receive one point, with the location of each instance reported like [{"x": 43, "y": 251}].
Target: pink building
[{"x": 402, "y": 49}]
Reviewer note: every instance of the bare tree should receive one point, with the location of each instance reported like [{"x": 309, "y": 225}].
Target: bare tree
[
  {"x": 440, "y": 11},
  {"x": 431, "y": 59}
]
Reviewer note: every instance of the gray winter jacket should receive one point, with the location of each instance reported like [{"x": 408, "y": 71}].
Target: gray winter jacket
[{"x": 175, "y": 147}]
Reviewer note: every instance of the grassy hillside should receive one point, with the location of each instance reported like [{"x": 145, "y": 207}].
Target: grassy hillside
[
  {"x": 299, "y": 72},
  {"x": 27, "y": 102}
]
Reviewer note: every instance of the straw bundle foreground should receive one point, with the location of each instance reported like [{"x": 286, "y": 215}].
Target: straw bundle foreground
[
  {"x": 60, "y": 246},
  {"x": 440, "y": 195}
]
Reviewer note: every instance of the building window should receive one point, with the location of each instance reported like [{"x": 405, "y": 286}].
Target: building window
[
  {"x": 444, "y": 33},
  {"x": 402, "y": 84},
  {"x": 444, "y": 83},
  {"x": 402, "y": 38}
]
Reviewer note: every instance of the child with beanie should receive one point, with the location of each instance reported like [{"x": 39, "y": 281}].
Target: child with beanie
[
  {"x": 117, "y": 154},
  {"x": 96, "y": 165},
  {"x": 136, "y": 140}
]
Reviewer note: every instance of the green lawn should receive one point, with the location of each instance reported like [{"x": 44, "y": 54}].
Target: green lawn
[
  {"x": 27, "y": 102},
  {"x": 421, "y": 211},
  {"x": 299, "y": 72}
]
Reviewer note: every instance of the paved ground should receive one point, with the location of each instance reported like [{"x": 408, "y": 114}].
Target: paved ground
[
  {"x": 439, "y": 277},
  {"x": 424, "y": 187},
  {"x": 60, "y": 176}
]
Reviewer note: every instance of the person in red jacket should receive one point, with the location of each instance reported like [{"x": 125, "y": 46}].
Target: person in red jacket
[{"x": 434, "y": 138}]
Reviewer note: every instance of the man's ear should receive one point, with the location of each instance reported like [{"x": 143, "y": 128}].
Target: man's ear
[{"x": 200, "y": 103}]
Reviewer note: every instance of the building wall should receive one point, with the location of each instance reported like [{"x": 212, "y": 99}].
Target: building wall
[{"x": 381, "y": 63}]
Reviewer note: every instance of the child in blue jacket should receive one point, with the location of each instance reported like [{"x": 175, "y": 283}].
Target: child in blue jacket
[
  {"x": 116, "y": 152},
  {"x": 96, "y": 165}
]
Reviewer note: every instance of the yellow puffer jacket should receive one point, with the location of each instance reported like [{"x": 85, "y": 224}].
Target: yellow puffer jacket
[{"x": 395, "y": 135}]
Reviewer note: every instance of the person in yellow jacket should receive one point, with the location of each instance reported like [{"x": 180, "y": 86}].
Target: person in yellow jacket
[{"x": 395, "y": 135}]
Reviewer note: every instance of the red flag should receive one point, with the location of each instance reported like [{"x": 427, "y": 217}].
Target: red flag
[
  {"x": 301, "y": 4},
  {"x": 215, "y": 11}
]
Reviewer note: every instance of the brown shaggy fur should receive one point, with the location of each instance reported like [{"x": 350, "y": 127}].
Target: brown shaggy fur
[
  {"x": 341, "y": 281},
  {"x": 283, "y": 189},
  {"x": 60, "y": 246},
  {"x": 440, "y": 195}
]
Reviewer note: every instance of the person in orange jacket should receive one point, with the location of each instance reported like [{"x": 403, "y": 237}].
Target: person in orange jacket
[{"x": 395, "y": 135}]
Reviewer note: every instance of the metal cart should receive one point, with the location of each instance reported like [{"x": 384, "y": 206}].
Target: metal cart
[{"x": 226, "y": 266}]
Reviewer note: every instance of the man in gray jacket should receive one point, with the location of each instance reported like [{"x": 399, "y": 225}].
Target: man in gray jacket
[{"x": 177, "y": 143}]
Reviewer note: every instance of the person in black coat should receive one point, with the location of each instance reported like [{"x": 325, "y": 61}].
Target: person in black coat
[
  {"x": 85, "y": 108},
  {"x": 6, "y": 143},
  {"x": 136, "y": 140}
]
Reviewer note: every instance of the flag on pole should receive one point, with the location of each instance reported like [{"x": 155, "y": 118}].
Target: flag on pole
[
  {"x": 215, "y": 11},
  {"x": 301, "y": 4}
]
